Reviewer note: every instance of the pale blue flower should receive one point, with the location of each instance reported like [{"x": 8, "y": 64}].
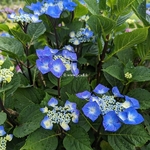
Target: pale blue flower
[
  {"x": 101, "y": 89},
  {"x": 2, "y": 131},
  {"x": 52, "y": 102}
]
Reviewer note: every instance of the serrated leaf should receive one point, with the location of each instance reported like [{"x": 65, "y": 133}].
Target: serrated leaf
[
  {"x": 29, "y": 120},
  {"x": 92, "y": 7},
  {"x": 3, "y": 117},
  {"x": 128, "y": 137},
  {"x": 100, "y": 24},
  {"x": 22, "y": 37},
  {"x": 127, "y": 40},
  {"x": 115, "y": 71},
  {"x": 77, "y": 140},
  {"x": 142, "y": 96},
  {"x": 11, "y": 46},
  {"x": 35, "y": 30},
  {"x": 41, "y": 139}
]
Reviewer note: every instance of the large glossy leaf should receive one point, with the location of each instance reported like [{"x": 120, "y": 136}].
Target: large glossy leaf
[
  {"x": 35, "y": 30},
  {"x": 92, "y": 7},
  {"x": 100, "y": 24},
  {"x": 77, "y": 139},
  {"x": 142, "y": 96},
  {"x": 29, "y": 121},
  {"x": 3, "y": 117},
  {"x": 128, "y": 137},
  {"x": 22, "y": 37},
  {"x": 11, "y": 46},
  {"x": 127, "y": 40},
  {"x": 41, "y": 139}
]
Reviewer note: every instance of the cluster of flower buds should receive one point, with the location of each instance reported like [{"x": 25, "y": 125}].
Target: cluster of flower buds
[
  {"x": 6, "y": 74},
  {"x": 53, "y": 8},
  {"x": 4, "y": 139},
  {"x": 24, "y": 17},
  {"x": 59, "y": 115},
  {"x": 81, "y": 36},
  {"x": 114, "y": 112},
  {"x": 57, "y": 61}
]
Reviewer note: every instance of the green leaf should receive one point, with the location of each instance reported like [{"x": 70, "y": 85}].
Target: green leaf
[
  {"x": 100, "y": 24},
  {"x": 3, "y": 117},
  {"x": 128, "y": 137},
  {"x": 35, "y": 30},
  {"x": 41, "y": 139},
  {"x": 30, "y": 1},
  {"x": 11, "y": 46},
  {"x": 4, "y": 27},
  {"x": 29, "y": 121},
  {"x": 92, "y": 7},
  {"x": 115, "y": 71},
  {"x": 127, "y": 40},
  {"x": 142, "y": 96},
  {"x": 77, "y": 139},
  {"x": 105, "y": 146},
  {"x": 22, "y": 37},
  {"x": 80, "y": 10}
]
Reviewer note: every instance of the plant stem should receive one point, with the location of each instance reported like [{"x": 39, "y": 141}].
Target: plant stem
[{"x": 102, "y": 57}]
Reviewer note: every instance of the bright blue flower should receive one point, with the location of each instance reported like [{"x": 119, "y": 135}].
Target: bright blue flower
[
  {"x": 70, "y": 6},
  {"x": 88, "y": 33},
  {"x": 46, "y": 123},
  {"x": 131, "y": 102},
  {"x": 74, "y": 69},
  {"x": 57, "y": 68},
  {"x": 111, "y": 121},
  {"x": 84, "y": 95},
  {"x": 100, "y": 89},
  {"x": 70, "y": 106},
  {"x": 130, "y": 116},
  {"x": 69, "y": 55},
  {"x": 91, "y": 110},
  {"x": 54, "y": 11},
  {"x": 116, "y": 92},
  {"x": 52, "y": 102},
  {"x": 2, "y": 131},
  {"x": 75, "y": 116},
  {"x": 43, "y": 65}
]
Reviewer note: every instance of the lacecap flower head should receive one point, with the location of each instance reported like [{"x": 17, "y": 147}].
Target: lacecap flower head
[
  {"x": 57, "y": 61},
  {"x": 53, "y": 8},
  {"x": 59, "y": 115},
  {"x": 115, "y": 113},
  {"x": 4, "y": 138}
]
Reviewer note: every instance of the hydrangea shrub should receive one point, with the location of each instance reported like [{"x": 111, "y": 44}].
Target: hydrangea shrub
[{"x": 75, "y": 75}]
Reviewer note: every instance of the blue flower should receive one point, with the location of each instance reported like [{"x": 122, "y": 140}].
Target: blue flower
[
  {"x": 130, "y": 116},
  {"x": 70, "y": 106},
  {"x": 100, "y": 89},
  {"x": 70, "y": 6},
  {"x": 57, "y": 68},
  {"x": 54, "y": 11},
  {"x": 2, "y": 131},
  {"x": 75, "y": 116},
  {"x": 46, "y": 123},
  {"x": 84, "y": 95},
  {"x": 111, "y": 121},
  {"x": 43, "y": 65},
  {"x": 91, "y": 110},
  {"x": 116, "y": 92},
  {"x": 131, "y": 102},
  {"x": 52, "y": 102}
]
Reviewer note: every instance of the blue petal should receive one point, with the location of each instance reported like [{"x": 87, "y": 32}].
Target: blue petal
[
  {"x": 69, "y": 48},
  {"x": 84, "y": 95},
  {"x": 70, "y": 106},
  {"x": 57, "y": 68},
  {"x": 74, "y": 69},
  {"x": 130, "y": 116},
  {"x": 65, "y": 126},
  {"x": 91, "y": 110},
  {"x": 101, "y": 89},
  {"x": 2, "y": 131},
  {"x": 54, "y": 11},
  {"x": 75, "y": 116},
  {"x": 111, "y": 121},
  {"x": 52, "y": 102},
  {"x": 46, "y": 123},
  {"x": 44, "y": 110},
  {"x": 134, "y": 102},
  {"x": 69, "y": 55},
  {"x": 116, "y": 92},
  {"x": 70, "y": 6},
  {"x": 43, "y": 65}
]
